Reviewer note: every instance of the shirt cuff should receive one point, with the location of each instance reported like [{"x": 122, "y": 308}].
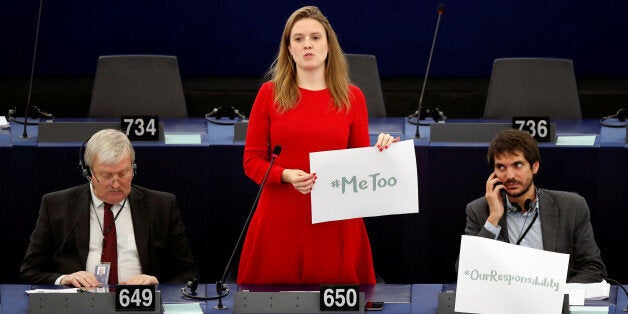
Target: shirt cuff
[
  {"x": 492, "y": 229},
  {"x": 58, "y": 281}
]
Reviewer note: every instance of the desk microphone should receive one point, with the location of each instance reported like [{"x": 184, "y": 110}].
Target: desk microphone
[
  {"x": 440, "y": 10},
  {"x": 30, "y": 83},
  {"x": 221, "y": 289},
  {"x": 611, "y": 280}
]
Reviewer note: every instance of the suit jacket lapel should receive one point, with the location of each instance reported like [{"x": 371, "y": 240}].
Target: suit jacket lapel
[
  {"x": 549, "y": 221},
  {"x": 80, "y": 204},
  {"x": 141, "y": 225}
]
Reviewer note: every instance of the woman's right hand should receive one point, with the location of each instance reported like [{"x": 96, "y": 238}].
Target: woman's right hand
[{"x": 300, "y": 180}]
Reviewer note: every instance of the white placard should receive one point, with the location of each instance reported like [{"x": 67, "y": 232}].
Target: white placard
[
  {"x": 364, "y": 182},
  {"x": 499, "y": 277}
]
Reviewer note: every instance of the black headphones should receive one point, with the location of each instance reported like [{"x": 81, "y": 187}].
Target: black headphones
[
  {"x": 529, "y": 205},
  {"x": 228, "y": 112},
  {"x": 621, "y": 119},
  {"x": 84, "y": 168},
  {"x": 435, "y": 114},
  {"x": 192, "y": 284}
]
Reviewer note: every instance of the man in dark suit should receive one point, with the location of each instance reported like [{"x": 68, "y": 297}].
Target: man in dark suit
[
  {"x": 548, "y": 220},
  {"x": 134, "y": 232}
]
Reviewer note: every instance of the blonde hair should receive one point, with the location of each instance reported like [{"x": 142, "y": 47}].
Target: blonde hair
[{"x": 283, "y": 70}]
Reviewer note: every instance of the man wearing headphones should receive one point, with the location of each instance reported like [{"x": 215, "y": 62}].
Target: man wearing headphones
[
  {"x": 133, "y": 233},
  {"x": 549, "y": 220}
]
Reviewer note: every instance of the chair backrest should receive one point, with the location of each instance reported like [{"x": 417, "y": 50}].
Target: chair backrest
[
  {"x": 364, "y": 74},
  {"x": 532, "y": 87},
  {"x": 137, "y": 85}
]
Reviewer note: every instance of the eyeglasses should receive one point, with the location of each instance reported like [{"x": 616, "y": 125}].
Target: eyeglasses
[{"x": 108, "y": 179}]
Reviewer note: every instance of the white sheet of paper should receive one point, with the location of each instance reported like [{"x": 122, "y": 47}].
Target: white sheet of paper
[
  {"x": 68, "y": 290},
  {"x": 576, "y": 296},
  {"x": 364, "y": 182},
  {"x": 575, "y": 140},
  {"x": 499, "y": 277},
  {"x": 3, "y": 123},
  {"x": 592, "y": 291}
]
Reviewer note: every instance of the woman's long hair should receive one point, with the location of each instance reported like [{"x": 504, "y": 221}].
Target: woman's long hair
[{"x": 283, "y": 71}]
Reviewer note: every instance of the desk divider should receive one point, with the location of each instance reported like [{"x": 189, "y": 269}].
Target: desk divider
[
  {"x": 78, "y": 131},
  {"x": 282, "y": 302},
  {"x": 86, "y": 302},
  {"x": 239, "y": 130},
  {"x": 472, "y": 132}
]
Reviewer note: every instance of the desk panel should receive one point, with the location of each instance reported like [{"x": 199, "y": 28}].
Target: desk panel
[{"x": 423, "y": 299}]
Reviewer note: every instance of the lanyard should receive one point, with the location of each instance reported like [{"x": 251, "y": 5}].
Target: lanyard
[
  {"x": 523, "y": 235},
  {"x": 104, "y": 232}
]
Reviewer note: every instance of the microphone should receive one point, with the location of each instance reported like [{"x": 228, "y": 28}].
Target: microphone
[
  {"x": 611, "y": 280},
  {"x": 221, "y": 288},
  {"x": 440, "y": 10},
  {"x": 30, "y": 84}
]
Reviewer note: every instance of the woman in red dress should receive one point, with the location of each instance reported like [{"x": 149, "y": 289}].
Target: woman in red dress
[{"x": 308, "y": 105}]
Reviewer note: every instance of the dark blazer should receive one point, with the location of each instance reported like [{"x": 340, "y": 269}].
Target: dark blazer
[
  {"x": 565, "y": 226},
  {"x": 159, "y": 235}
]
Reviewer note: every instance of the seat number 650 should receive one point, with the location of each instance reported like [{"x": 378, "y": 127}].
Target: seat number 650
[{"x": 339, "y": 298}]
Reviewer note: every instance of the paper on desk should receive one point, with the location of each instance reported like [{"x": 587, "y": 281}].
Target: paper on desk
[
  {"x": 69, "y": 290},
  {"x": 576, "y": 140},
  {"x": 592, "y": 291},
  {"x": 183, "y": 138},
  {"x": 588, "y": 309},
  {"x": 182, "y": 308}
]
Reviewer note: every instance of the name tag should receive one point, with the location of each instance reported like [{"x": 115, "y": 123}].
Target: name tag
[
  {"x": 135, "y": 298},
  {"x": 141, "y": 128},
  {"x": 339, "y": 298},
  {"x": 538, "y": 127}
]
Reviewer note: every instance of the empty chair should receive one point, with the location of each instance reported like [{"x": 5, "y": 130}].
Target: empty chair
[
  {"x": 532, "y": 87},
  {"x": 364, "y": 74},
  {"x": 137, "y": 85}
]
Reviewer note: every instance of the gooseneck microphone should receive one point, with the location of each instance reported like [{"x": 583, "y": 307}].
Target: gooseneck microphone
[
  {"x": 30, "y": 83},
  {"x": 221, "y": 288},
  {"x": 440, "y": 10}
]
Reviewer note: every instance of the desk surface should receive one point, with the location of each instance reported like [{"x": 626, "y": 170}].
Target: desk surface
[
  {"x": 214, "y": 134},
  {"x": 422, "y": 298}
]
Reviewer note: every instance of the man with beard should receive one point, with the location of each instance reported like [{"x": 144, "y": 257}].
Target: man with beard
[{"x": 514, "y": 210}]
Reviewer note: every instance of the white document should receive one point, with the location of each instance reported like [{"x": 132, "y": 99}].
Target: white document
[
  {"x": 499, "y": 277},
  {"x": 67, "y": 290},
  {"x": 592, "y": 291},
  {"x": 575, "y": 140},
  {"x": 364, "y": 182},
  {"x": 3, "y": 123}
]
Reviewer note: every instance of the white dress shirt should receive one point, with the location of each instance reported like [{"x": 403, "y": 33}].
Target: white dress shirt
[{"x": 128, "y": 257}]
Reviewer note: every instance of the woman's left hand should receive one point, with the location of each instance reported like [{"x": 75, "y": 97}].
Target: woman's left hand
[{"x": 384, "y": 140}]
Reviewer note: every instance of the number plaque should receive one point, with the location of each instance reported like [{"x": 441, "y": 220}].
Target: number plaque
[
  {"x": 538, "y": 127},
  {"x": 339, "y": 298},
  {"x": 141, "y": 128},
  {"x": 135, "y": 298}
]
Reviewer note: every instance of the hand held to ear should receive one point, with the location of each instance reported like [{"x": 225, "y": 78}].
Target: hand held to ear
[{"x": 496, "y": 199}]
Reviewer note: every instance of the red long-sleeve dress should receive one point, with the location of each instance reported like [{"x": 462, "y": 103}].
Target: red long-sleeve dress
[{"x": 282, "y": 246}]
